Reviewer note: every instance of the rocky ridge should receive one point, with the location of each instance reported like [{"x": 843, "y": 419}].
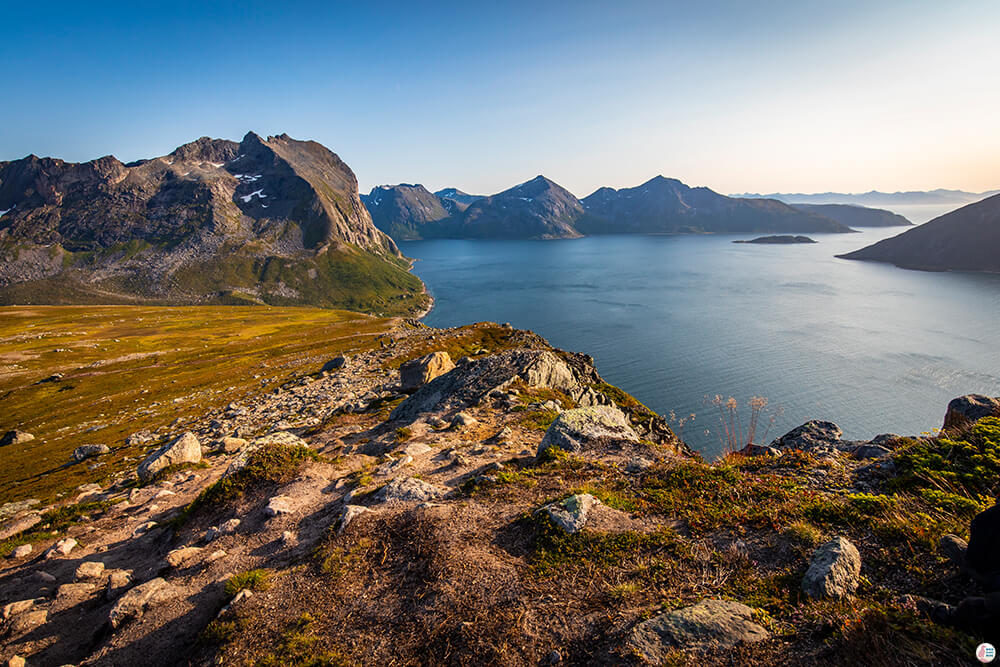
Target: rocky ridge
[{"x": 339, "y": 518}]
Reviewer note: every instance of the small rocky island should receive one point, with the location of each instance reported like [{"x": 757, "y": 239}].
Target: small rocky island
[{"x": 780, "y": 238}]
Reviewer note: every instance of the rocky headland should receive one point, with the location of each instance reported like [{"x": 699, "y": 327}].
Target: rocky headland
[{"x": 475, "y": 496}]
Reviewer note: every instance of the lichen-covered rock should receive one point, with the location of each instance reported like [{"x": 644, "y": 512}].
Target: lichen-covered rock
[
  {"x": 572, "y": 513},
  {"x": 969, "y": 409},
  {"x": 84, "y": 452},
  {"x": 470, "y": 383},
  {"x": 182, "y": 449},
  {"x": 812, "y": 436},
  {"x": 350, "y": 513},
  {"x": 19, "y": 525},
  {"x": 183, "y": 556},
  {"x": 279, "y": 505},
  {"x": 574, "y": 429},
  {"x": 408, "y": 489},
  {"x": 706, "y": 626},
  {"x": 834, "y": 571},
  {"x": 282, "y": 438},
  {"x": 135, "y": 602},
  {"x": 63, "y": 547},
  {"x": 418, "y": 372}
]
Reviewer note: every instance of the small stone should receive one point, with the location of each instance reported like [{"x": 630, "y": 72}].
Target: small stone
[
  {"x": 74, "y": 590},
  {"x": 230, "y": 445},
  {"x": 279, "y": 505},
  {"x": 179, "y": 557},
  {"x": 571, "y": 514},
  {"x": 416, "y": 449},
  {"x": 21, "y": 552},
  {"x": 26, "y": 622},
  {"x": 45, "y": 577},
  {"x": 350, "y": 513},
  {"x": 118, "y": 583},
  {"x": 871, "y": 452},
  {"x": 143, "y": 528},
  {"x": 834, "y": 571},
  {"x": 16, "y": 661},
  {"x": 637, "y": 464},
  {"x": 64, "y": 546},
  {"x": 463, "y": 419},
  {"x": 15, "y": 438},
  {"x": 15, "y": 608},
  {"x": 288, "y": 537},
  {"x": 84, "y": 452},
  {"x": 215, "y": 555},
  {"x": 334, "y": 364},
  {"x": 89, "y": 570}
]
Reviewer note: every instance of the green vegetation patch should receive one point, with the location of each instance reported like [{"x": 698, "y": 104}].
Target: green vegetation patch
[
  {"x": 298, "y": 646},
  {"x": 269, "y": 465},
  {"x": 251, "y": 580}
]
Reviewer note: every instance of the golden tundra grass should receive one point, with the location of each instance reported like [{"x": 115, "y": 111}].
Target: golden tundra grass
[{"x": 123, "y": 367}]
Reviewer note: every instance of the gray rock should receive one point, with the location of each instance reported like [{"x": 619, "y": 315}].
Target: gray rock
[
  {"x": 969, "y": 409},
  {"x": 707, "y": 626},
  {"x": 89, "y": 570},
  {"x": 418, "y": 372},
  {"x": 183, "y": 556},
  {"x": 15, "y": 438},
  {"x": 885, "y": 439},
  {"x": 22, "y": 551},
  {"x": 137, "y": 601},
  {"x": 84, "y": 452},
  {"x": 834, "y": 571},
  {"x": 637, "y": 464},
  {"x": 25, "y": 623},
  {"x": 573, "y": 430},
  {"x": 810, "y": 436},
  {"x": 118, "y": 583},
  {"x": 865, "y": 452},
  {"x": 334, "y": 364},
  {"x": 63, "y": 547},
  {"x": 463, "y": 419},
  {"x": 350, "y": 513},
  {"x": 19, "y": 525},
  {"x": 282, "y": 438},
  {"x": 12, "y": 609},
  {"x": 571, "y": 514},
  {"x": 408, "y": 489},
  {"x": 279, "y": 505},
  {"x": 953, "y": 548},
  {"x": 471, "y": 383},
  {"x": 753, "y": 449},
  {"x": 182, "y": 449}
]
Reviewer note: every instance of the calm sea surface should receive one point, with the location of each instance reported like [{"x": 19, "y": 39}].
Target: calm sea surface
[{"x": 673, "y": 319}]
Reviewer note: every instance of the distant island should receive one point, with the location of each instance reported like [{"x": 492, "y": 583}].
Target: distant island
[
  {"x": 779, "y": 239},
  {"x": 876, "y": 198},
  {"x": 964, "y": 240}
]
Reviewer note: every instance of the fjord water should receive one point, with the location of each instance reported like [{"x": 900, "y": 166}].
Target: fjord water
[{"x": 673, "y": 319}]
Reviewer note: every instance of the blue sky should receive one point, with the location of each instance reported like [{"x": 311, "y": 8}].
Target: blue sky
[{"x": 789, "y": 96}]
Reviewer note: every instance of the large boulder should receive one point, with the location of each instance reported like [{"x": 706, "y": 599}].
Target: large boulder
[
  {"x": 280, "y": 438},
  {"x": 574, "y": 430},
  {"x": 835, "y": 570},
  {"x": 470, "y": 383},
  {"x": 182, "y": 449},
  {"x": 418, "y": 372},
  {"x": 968, "y": 409},
  {"x": 709, "y": 625}
]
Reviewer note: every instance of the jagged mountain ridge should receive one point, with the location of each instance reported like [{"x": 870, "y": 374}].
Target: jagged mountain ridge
[
  {"x": 540, "y": 208},
  {"x": 666, "y": 205},
  {"x": 967, "y": 239},
  {"x": 271, "y": 220},
  {"x": 402, "y": 210}
]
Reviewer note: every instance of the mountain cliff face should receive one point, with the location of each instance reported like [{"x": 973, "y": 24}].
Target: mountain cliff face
[
  {"x": 401, "y": 211},
  {"x": 964, "y": 240},
  {"x": 455, "y": 200},
  {"x": 666, "y": 205},
  {"x": 277, "y": 221},
  {"x": 856, "y": 216}
]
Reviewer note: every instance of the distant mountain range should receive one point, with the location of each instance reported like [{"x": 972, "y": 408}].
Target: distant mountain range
[
  {"x": 964, "y": 240},
  {"x": 542, "y": 209},
  {"x": 876, "y": 198},
  {"x": 273, "y": 220}
]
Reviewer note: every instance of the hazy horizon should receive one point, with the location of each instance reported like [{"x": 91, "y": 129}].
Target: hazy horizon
[{"x": 798, "y": 97}]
